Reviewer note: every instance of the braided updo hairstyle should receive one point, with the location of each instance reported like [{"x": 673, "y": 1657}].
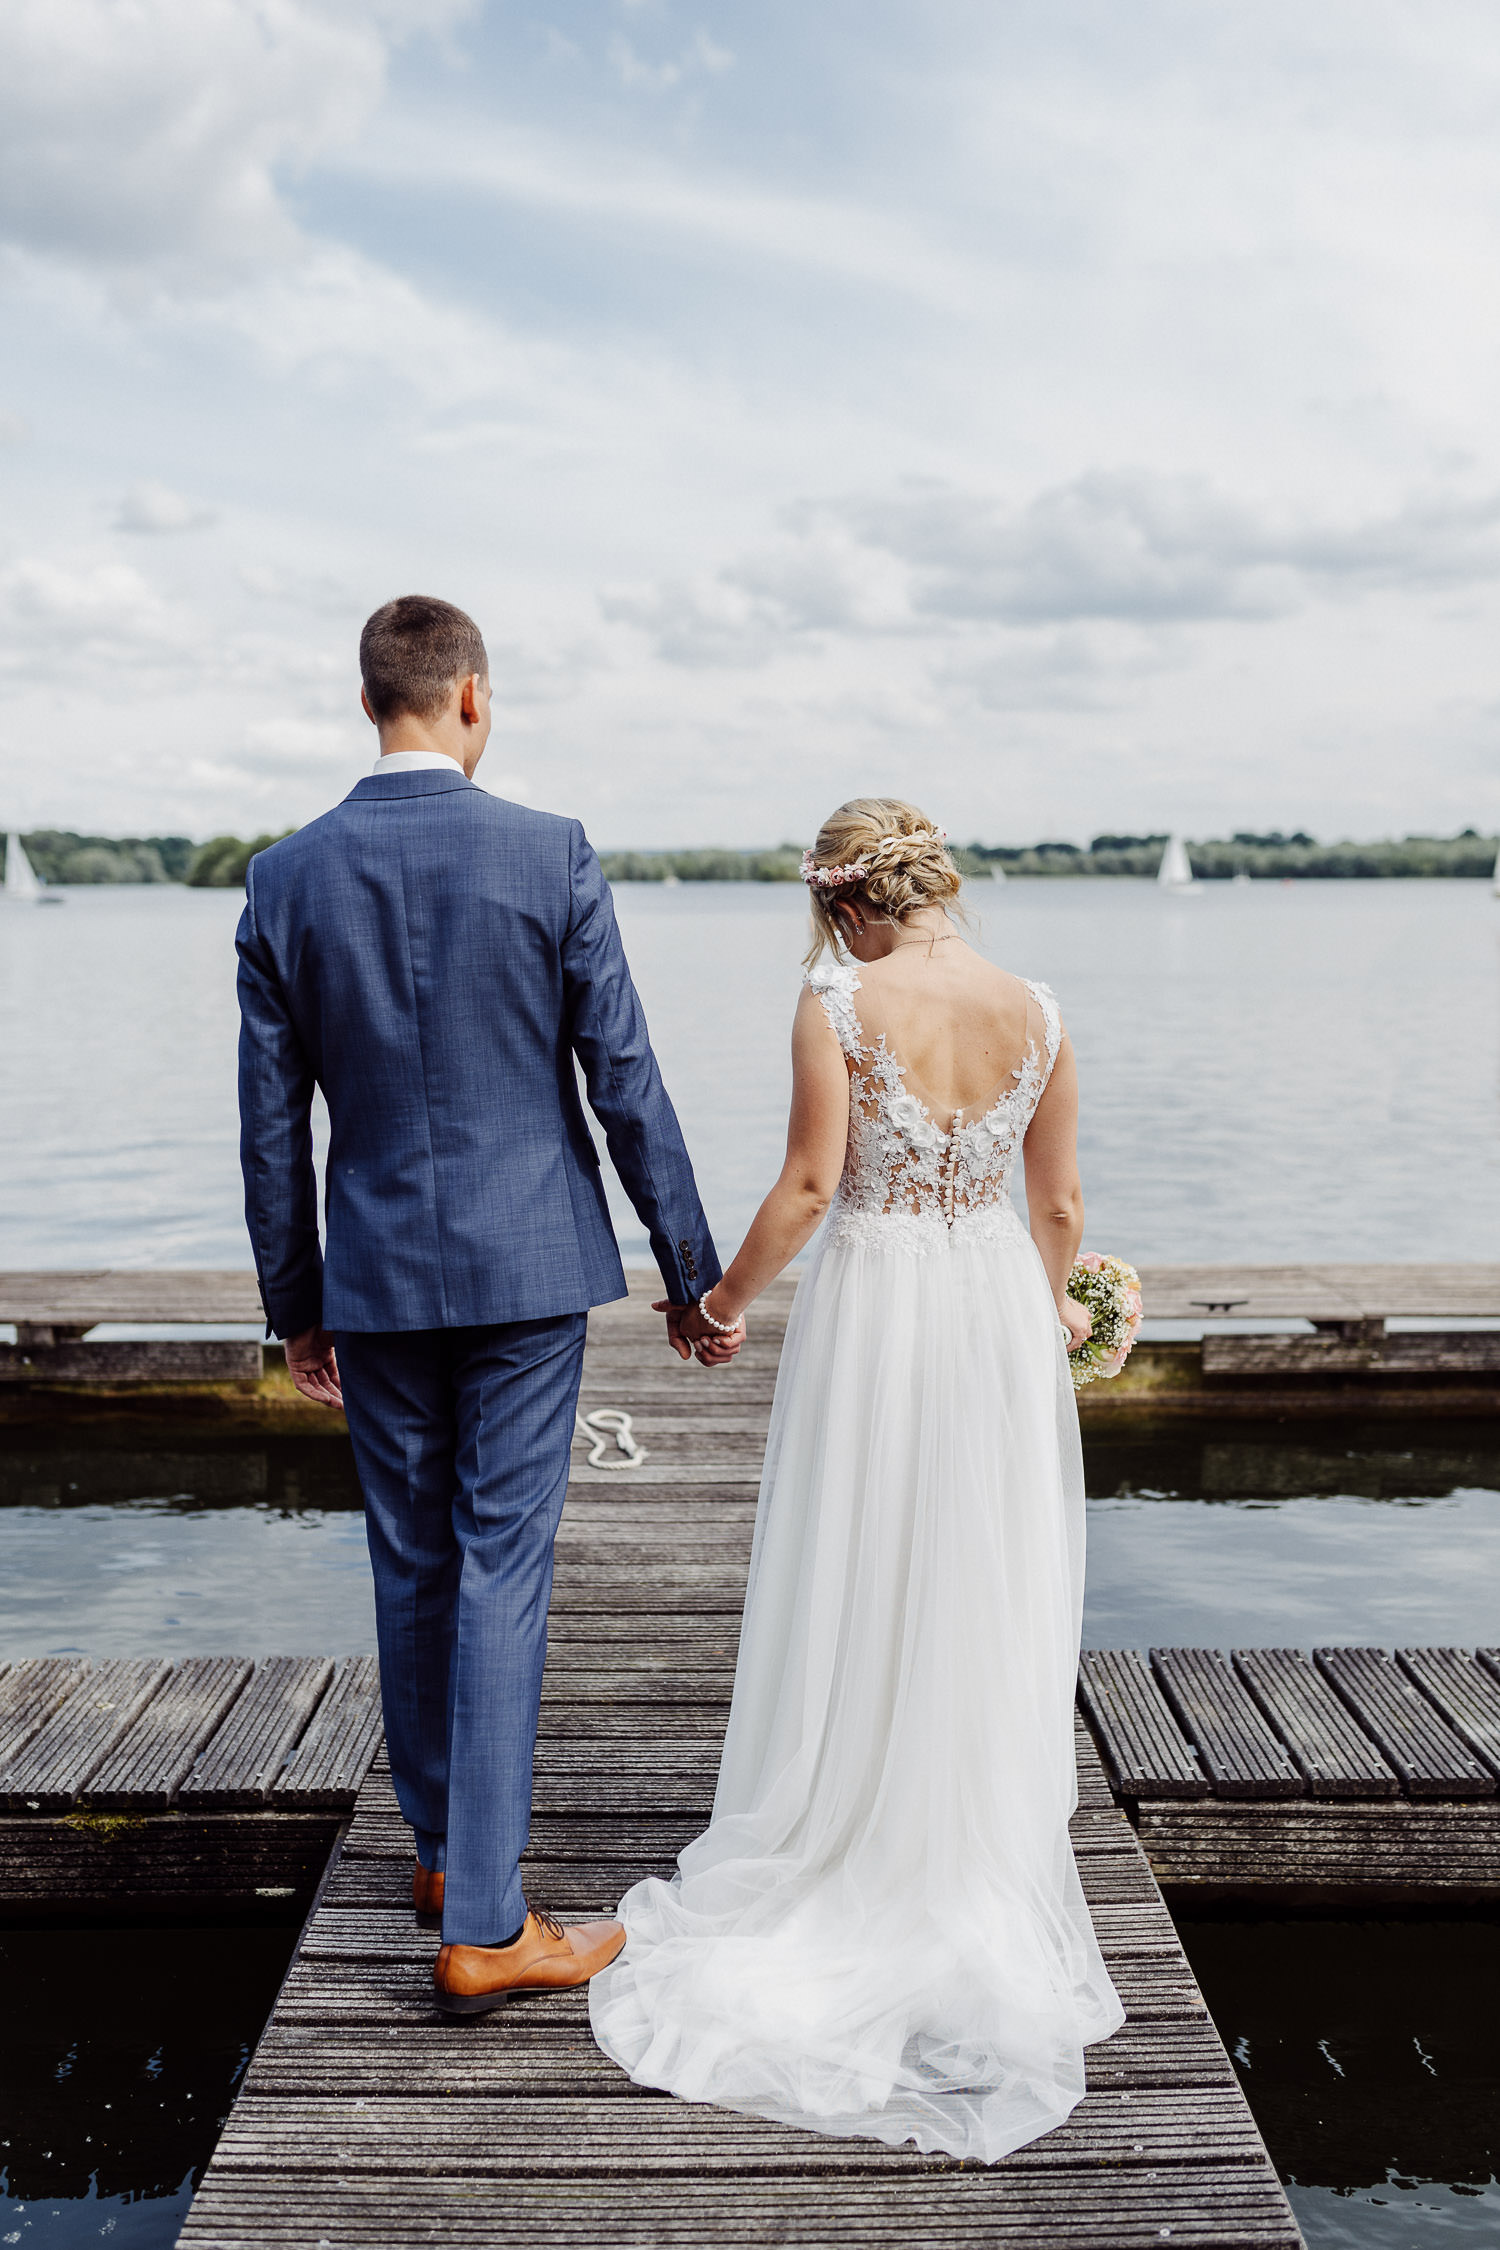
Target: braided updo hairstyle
[{"x": 907, "y": 866}]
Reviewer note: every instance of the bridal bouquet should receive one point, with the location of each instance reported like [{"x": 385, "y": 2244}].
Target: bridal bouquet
[{"x": 1110, "y": 1291}]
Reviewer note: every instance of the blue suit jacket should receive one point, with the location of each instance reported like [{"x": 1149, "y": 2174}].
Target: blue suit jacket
[{"x": 434, "y": 958}]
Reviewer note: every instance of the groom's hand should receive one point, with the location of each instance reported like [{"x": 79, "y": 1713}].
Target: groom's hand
[
  {"x": 313, "y": 1368},
  {"x": 689, "y": 1333}
]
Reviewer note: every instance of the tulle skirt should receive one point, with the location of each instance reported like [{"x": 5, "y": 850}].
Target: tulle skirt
[{"x": 882, "y": 1931}]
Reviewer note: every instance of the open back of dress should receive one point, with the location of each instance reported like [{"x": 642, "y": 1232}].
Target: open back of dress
[
  {"x": 882, "y": 1930},
  {"x": 909, "y": 1157}
]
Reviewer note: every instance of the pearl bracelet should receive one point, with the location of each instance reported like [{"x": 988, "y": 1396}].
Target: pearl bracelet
[{"x": 724, "y": 1327}]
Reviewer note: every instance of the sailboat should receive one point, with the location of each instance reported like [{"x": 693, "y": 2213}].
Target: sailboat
[
  {"x": 20, "y": 875},
  {"x": 1495, "y": 878},
  {"x": 21, "y": 883},
  {"x": 1176, "y": 870}
]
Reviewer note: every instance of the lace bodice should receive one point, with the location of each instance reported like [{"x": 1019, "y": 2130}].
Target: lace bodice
[{"x": 904, "y": 1175}]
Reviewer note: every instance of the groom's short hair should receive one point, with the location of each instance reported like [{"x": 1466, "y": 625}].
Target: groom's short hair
[{"x": 411, "y": 652}]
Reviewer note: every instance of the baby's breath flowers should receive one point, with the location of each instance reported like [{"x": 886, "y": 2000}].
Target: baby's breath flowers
[{"x": 1110, "y": 1291}]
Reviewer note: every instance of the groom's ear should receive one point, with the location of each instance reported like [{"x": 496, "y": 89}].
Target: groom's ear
[{"x": 364, "y": 701}]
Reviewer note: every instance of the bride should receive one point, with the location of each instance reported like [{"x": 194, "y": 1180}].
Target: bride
[{"x": 882, "y": 1930}]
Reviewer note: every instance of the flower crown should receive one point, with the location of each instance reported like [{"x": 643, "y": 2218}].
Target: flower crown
[
  {"x": 832, "y": 878},
  {"x": 839, "y": 878}
]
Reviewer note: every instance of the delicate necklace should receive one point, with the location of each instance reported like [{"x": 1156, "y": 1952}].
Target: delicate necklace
[{"x": 902, "y": 943}]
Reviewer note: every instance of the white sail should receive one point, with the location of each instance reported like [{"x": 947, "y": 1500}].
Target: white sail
[
  {"x": 20, "y": 875},
  {"x": 1176, "y": 870}
]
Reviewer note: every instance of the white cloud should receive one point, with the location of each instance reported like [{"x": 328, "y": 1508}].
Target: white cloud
[
  {"x": 56, "y": 616},
  {"x": 150, "y": 507},
  {"x": 701, "y": 55},
  {"x": 490, "y": 321},
  {"x": 153, "y": 134},
  {"x": 623, "y": 190},
  {"x": 1132, "y": 549},
  {"x": 299, "y": 589},
  {"x": 311, "y": 745}
]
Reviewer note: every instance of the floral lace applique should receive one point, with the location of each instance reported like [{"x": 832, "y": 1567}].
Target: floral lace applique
[
  {"x": 835, "y": 984},
  {"x": 906, "y": 1182}
]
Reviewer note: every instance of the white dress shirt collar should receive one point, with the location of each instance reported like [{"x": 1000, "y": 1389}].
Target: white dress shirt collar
[{"x": 415, "y": 761}]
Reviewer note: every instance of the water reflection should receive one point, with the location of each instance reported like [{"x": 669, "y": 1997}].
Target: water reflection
[
  {"x": 1374, "y": 1461},
  {"x": 1371, "y": 2071},
  {"x": 1322, "y": 1534},
  {"x": 122, "y": 2052},
  {"x": 1225, "y": 1535},
  {"x": 285, "y": 1473}
]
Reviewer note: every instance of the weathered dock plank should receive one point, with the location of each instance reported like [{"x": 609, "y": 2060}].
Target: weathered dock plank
[
  {"x": 1467, "y": 1695},
  {"x": 50, "y": 1771},
  {"x": 152, "y": 1759},
  {"x": 1431, "y": 1758},
  {"x": 1394, "y": 1358},
  {"x": 1237, "y": 2207},
  {"x": 239, "y": 1763},
  {"x": 1242, "y": 1754},
  {"x": 208, "y": 1733},
  {"x": 520, "y": 2137},
  {"x": 1340, "y": 1854},
  {"x": 1321, "y": 1292},
  {"x": 30, "y": 1692},
  {"x": 82, "y": 1300},
  {"x": 162, "y": 1360},
  {"x": 523, "y": 2056},
  {"x": 1145, "y": 1752},
  {"x": 334, "y": 1755},
  {"x": 105, "y": 1867},
  {"x": 1335, "y": 1757}
]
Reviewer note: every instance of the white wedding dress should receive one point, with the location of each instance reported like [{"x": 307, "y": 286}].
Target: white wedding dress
[{"x": 882, "y": 1931}]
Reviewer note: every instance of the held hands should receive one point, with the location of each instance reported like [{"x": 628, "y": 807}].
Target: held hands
[
  {"x": 1078, "y": 1321},
  {"x": 690, "y": 1335},
  {"x": 313, "y": 1368}
]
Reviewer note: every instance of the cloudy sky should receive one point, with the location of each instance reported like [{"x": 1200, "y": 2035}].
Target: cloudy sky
[{"x": 1073, "y": 416}]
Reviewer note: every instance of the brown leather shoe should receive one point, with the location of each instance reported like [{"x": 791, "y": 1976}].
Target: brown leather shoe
[
  {"x": 427, "y": 1896},
  {"x": 545, "y": 1957}
]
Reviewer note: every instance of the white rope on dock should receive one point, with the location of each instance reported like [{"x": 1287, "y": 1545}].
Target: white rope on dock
[{"x": 606, "y": 1424}]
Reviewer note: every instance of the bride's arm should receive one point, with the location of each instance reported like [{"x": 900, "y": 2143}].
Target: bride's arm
[
  {"x": 1054, "y": 1192},
  {"x": 816, "y": 1136}
]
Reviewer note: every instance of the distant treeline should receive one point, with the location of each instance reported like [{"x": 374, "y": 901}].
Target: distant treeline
[
  {"x": 1217, "y": 858},
  {"x": 219, "y": 865},
  {"x": 780, "y": 864},
  {"x": 61, "y": 857}
]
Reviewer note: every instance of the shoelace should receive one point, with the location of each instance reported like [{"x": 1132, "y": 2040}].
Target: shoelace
[{"x": 548, "y": 1922}]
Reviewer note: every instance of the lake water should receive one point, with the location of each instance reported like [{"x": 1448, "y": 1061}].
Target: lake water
[
  {"x": 127, "y": 2046},
  {"x": 1224, "y": 1537},
  {"x": 123, "y": 2051},
  {"x": 1300, "y": 1072},
  {"x": 1272, "y": 1071},
  {"x": 1371, "y": 2073}
]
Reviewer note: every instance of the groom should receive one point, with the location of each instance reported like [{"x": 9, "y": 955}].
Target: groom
[{"x": 434, "y": 959}]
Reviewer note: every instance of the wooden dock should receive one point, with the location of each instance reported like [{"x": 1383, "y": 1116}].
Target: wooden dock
[
  {"x": 1348, "y": 1357},
  {"x": 177, "y": 1791},
  {"x": 1333, "y": 1777},
  {"x": 367, "y": 2119}
]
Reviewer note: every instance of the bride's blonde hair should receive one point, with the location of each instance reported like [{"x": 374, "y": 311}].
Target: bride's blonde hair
[{"x": 903, "y": 861}]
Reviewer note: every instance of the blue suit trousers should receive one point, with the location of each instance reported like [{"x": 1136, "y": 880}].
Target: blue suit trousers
[{"x": 461, "y": 1438}]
